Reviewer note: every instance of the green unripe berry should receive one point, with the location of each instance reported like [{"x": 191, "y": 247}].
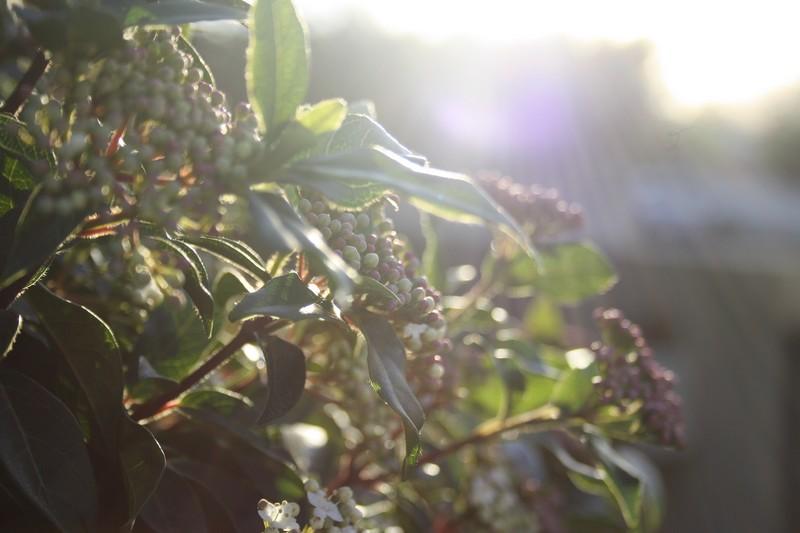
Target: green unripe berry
[
  {"x": 323, "y": 220},
  {"x": 370, "y": 261},
  {"x": 417, "y": 294},
  {"x": 404, "y": 285},
  {"x": 351, "y": 254},
  {"x": 362, "y": 221},
  {"x": 304, "y": 205}
]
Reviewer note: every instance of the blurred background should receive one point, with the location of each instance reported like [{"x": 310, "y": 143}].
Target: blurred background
[{"x": 676, "y": 126}]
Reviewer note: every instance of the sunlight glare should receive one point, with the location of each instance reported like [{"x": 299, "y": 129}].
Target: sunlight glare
[{"x": 708, "y": 52}]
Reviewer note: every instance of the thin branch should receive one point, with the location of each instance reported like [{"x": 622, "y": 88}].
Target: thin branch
[
  {"x": 546, "y": 418},
  {"x": 26, "y": 84},
  {"x": 155, "y": 405}
]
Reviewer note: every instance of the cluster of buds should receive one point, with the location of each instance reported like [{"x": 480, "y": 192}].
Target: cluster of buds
[
  {"x": 630, "y": 373},
  {"x": 142, "y": 127},
  {"x": 368, "y": 242},
  {"x": 540, "y": 210},
  {"x": 494, "y": 495}
]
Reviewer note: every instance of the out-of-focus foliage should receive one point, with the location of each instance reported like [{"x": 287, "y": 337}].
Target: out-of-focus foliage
[{"x": 207, "y": 310}]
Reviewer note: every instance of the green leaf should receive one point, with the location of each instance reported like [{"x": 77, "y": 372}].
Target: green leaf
[
  {"x": 174, "y": 507},
  {"x": 175, "y": 12},
  {"x": 282, "y": 297},
  {"x": 90, "y": 351},
  {"x": 143, "y": 463},
  {"x": 543, "y": 320},
  {"x": 362, "y": 131},
  {"x": 445, "y": 194},
  {"x": 43, "y": 454},
  {"x": 570, "y": 273},
  {"x": 173, "y": 340},
  {"x": 234, "y": 252},
  {"x": 6, "y": 204},
  {"x": 17, "y": 141},
  {"x": 377, "y": 289},
  {"x": 286, "y": 375},
  {"x": 37, "y": 238},
  {"x": 197, "y": 284},
  {"x": 222, "y": 401},
  {"x": 620, "y": 478},
  {"x": 573, "y": 390},
  {"x": 277, "y": 62},
  {"x": 431, "y": 258},
  {"x": 225, "y": 487},
  {"x": 10, "y": 326},
  {"x": 17, "y": 175},
  {"x": 323, "y": 117},
  {"x": 75, "y": 27},
  {"x": 386, "y": 361}
]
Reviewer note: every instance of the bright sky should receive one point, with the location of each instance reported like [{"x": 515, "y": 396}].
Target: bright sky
[{"x": 707, "y": 51}]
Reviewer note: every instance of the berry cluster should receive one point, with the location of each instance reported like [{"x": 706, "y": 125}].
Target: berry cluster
[
  {"x": 368, "y": 242},
  {"x": 142, "y": 127},
  {"x": 542, "y": 210},
  {"x": 630, "y": 373}
]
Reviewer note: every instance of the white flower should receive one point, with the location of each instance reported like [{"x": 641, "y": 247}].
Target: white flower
[
  {"x": 482, "y": 492},
  {"x": 279, "y": 516},
  {"x": 323, "y": 507}
]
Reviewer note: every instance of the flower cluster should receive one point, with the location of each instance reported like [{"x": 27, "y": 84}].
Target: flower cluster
[
  {"x": 368, "y": 242},
  {"x": 334, "y": 513},
  {"x": 541, "y": 210},
  {"x": 494, "y": 495},
  {"x": 630, "y": 373},
  {"x": 142, "y": 127}
]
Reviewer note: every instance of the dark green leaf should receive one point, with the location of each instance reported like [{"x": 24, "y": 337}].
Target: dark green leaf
[
  {"x": 225, "y": 488},
  {"x": 142, "y": 462},
  {"x": 37, "y": 238},
  {"x": 6, "y": 204},
  {"x": 386, "y": 360},
  {"x": 277, "y": 63},
  {"x": 10, "y": 326},
  {"x": 286, "y": 374},
  {"x": 374, "y": 287},
  {"x": 16, "y": 140},
  {"x": 234, "y": 252},
  {"x": 219, "y": 400},
  {"x": 282, "y": 297},
  {"x": 43, "y": 453},
  {"x": 197, "y": 284},
  {"x": 175, "y": 12},
  {"x": 75, "y": 27},
  {"x": 17, "y": 175},
  {"x": 90, "y": 351},
  {"x": 173, "y": 340},
  {"x": 174, "y": 507},
  {"x": 621, "y": 480}
]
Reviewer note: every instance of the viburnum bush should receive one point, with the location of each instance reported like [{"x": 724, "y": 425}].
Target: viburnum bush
[{"x": 210, "y": 322}]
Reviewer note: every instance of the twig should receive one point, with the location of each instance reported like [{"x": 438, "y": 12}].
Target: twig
[
  {"x": 546, "y": 418},
  {"x": 247, "y": 334},
  {"x": 26, "y": 84}
]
